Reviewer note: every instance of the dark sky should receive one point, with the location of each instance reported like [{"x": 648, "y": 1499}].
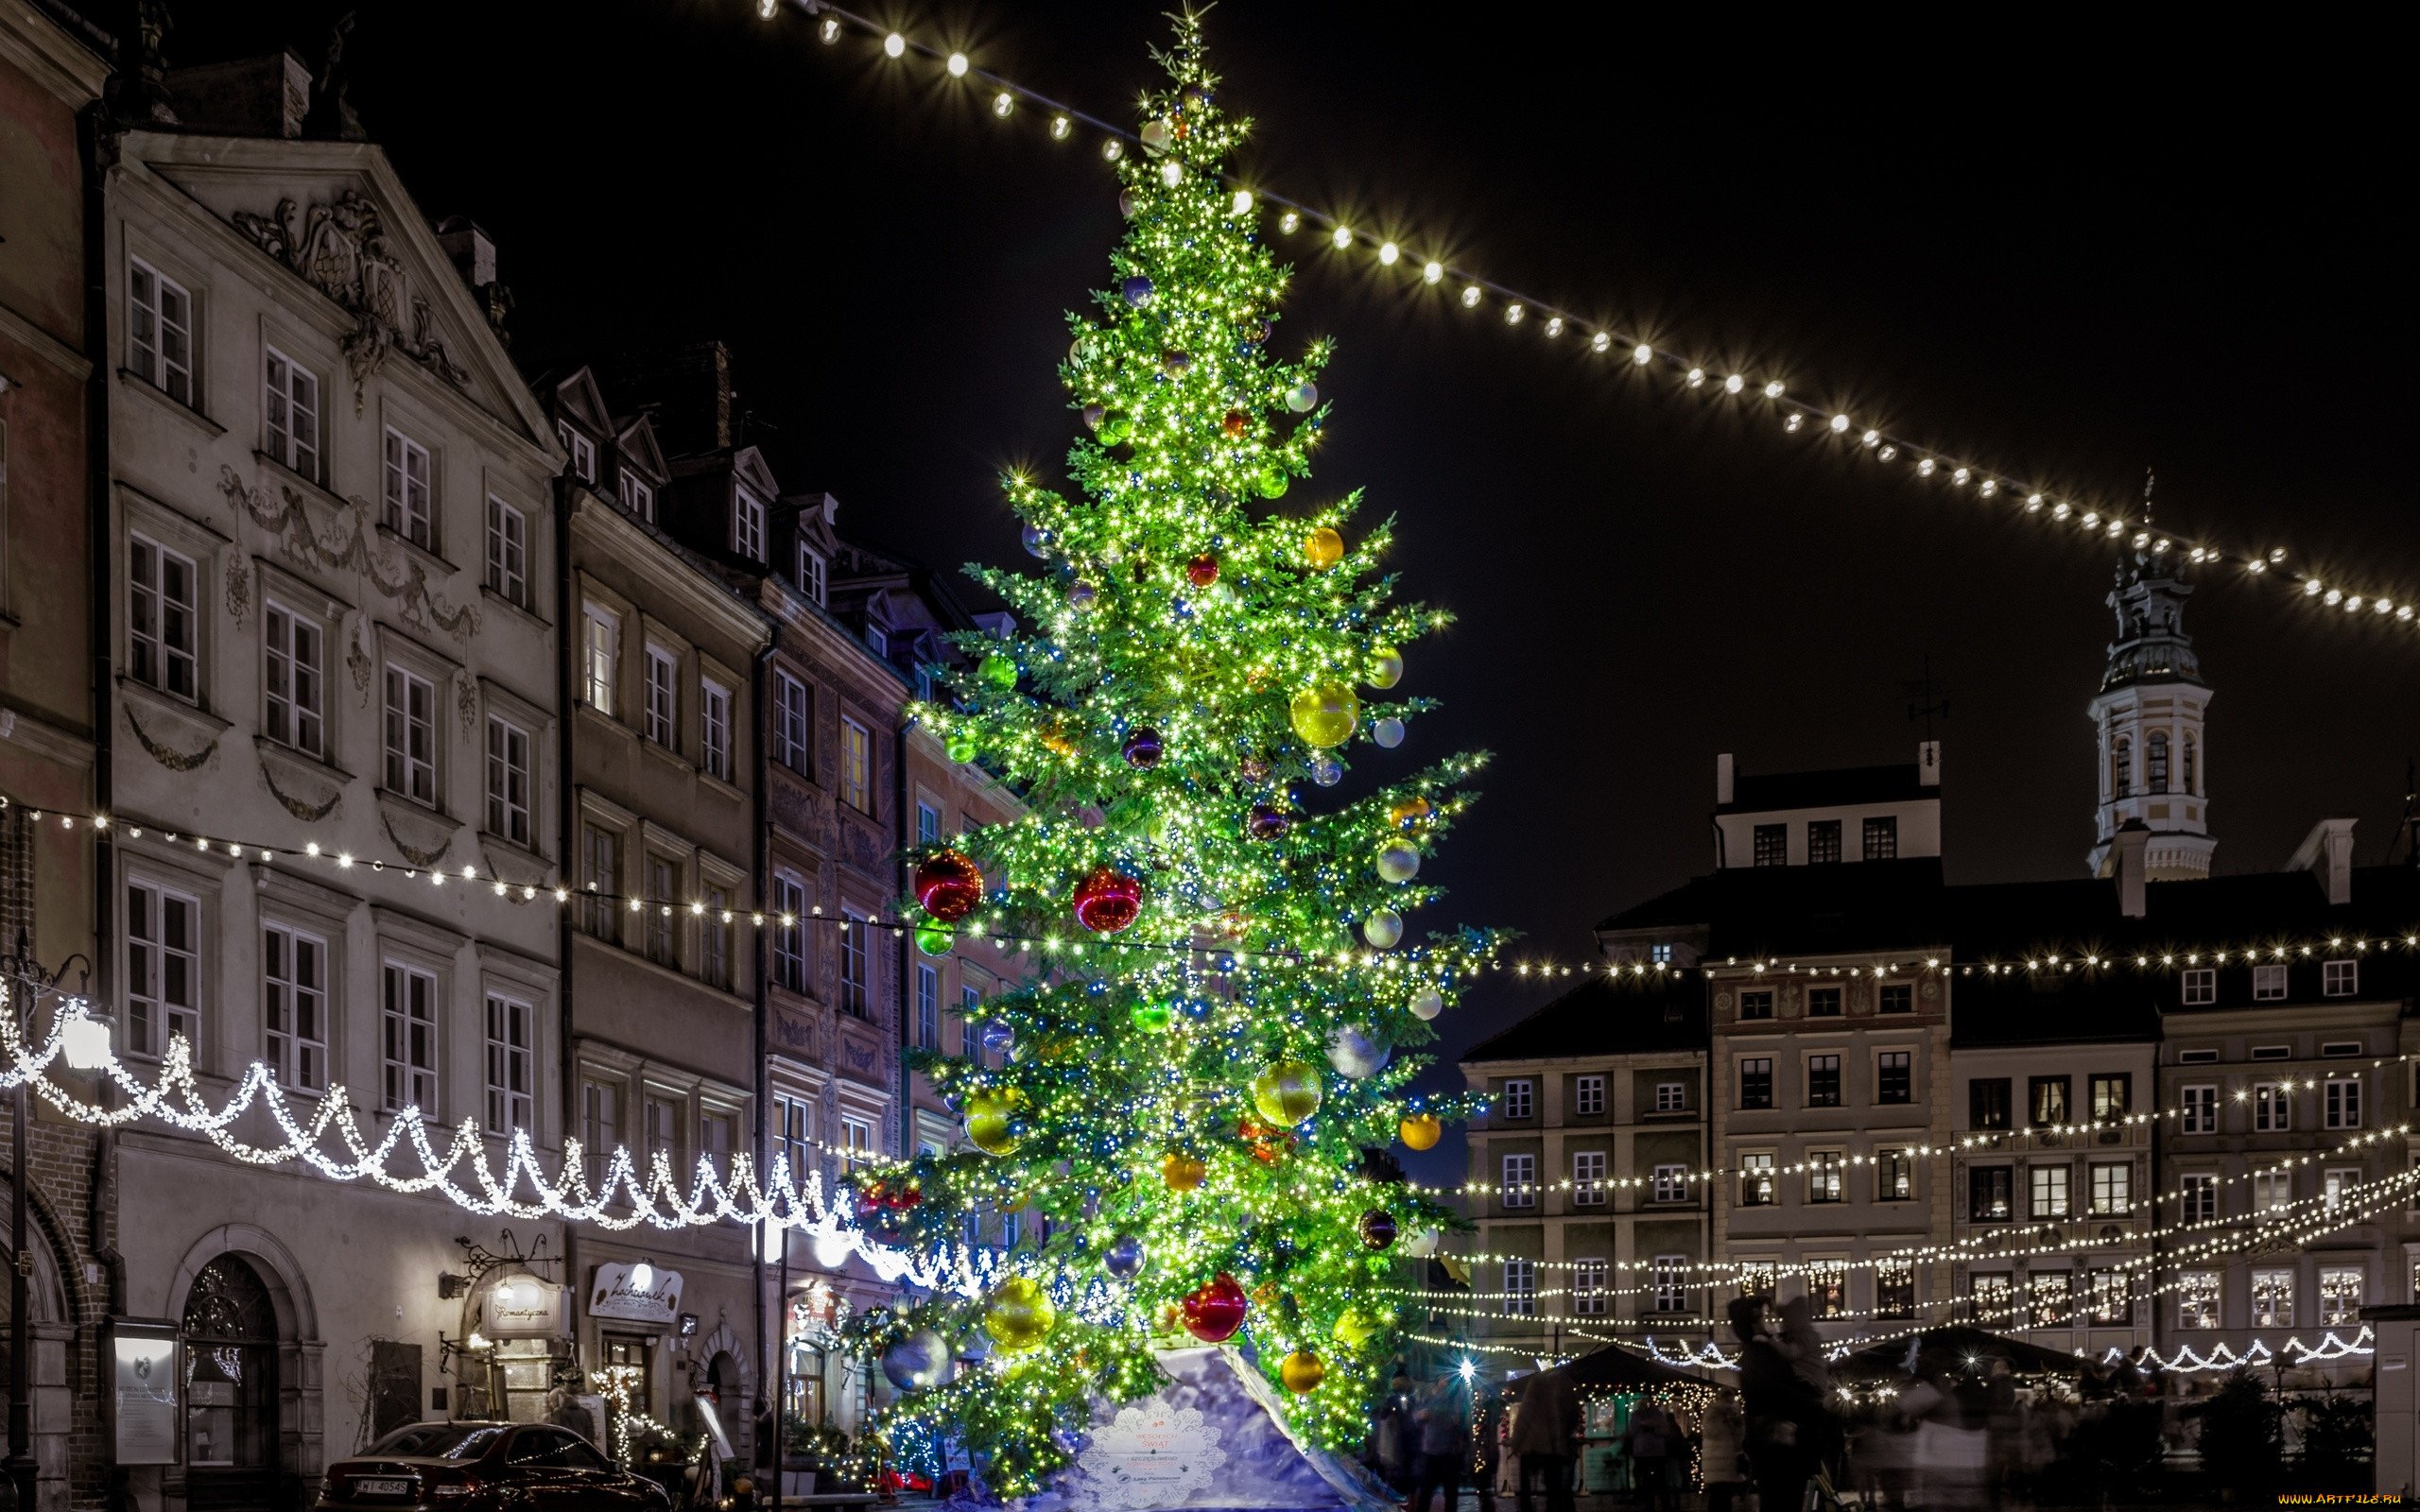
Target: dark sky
[{"x": 2065, "y": 250}]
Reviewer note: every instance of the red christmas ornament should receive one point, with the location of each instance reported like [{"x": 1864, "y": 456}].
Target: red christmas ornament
[
  {"x": 1268, "y": 1145},
  {"x": 1202, "y": 571},
  {"x": 1107, "y": 901},
  {"x": 949, "y": 885},
  {"x": 1235, "y": 423},
  {"x": 1212, "y": 1312}
]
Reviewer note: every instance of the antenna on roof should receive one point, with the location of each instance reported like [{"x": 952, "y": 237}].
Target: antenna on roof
[
  {"x": 1927, "y": 699},
  {"x": 2407, "y": 832}
]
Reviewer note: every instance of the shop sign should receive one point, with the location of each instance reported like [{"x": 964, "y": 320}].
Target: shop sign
[
  {"x": 613, "y": 1293},
  {"x": 522, "y": 1306}
]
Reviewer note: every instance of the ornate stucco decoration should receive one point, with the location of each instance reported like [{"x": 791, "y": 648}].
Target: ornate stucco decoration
[
  {"x": 166, "y": 755},
  {"x": 352, "y": 546},
  {"x": 341, "y": 248}
]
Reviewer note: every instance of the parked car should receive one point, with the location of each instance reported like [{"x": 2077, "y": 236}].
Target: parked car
[{"x": 486, "y": 1467}]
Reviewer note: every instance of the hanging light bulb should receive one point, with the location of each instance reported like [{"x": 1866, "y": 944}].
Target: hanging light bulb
[
  {"x": 1342, "y": 237},
  {"x": 956, "y": 65},
  {"x": 1003, "y": 104},
  {"x": 1434, "y": 273},
  {"x": 1388, "y": 252},
  {"x": 894, "y": 45},
  {"x": 1243, "y": 203}
]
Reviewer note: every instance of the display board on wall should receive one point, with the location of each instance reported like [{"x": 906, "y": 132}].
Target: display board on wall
[{"x": 143, "y": 1391}]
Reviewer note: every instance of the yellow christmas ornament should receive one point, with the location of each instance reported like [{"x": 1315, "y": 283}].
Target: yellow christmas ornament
[
  {"x": 1386, "y": 667},
  {"x": 1404, "y": 813},
  {"x": 1421, "y": 1131},
  {"x": 1302, "y": 1373},
  {"x": 1355, "y": 1328},
  {"x": 1182, "y": 1172},
  {"x": 1287, "y": 1094},
  {"x": 1018, "y": 1316},
  {"x": 1324, "y": 548},
  {"x": 988, "y": 1115},
  {"x": 1326, "y": 714}
]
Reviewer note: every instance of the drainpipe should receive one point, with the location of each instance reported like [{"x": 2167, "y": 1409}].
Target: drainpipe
[
  {"x": 768, "y": 1358},
  {"x": 906, "y": 942},
  {"x": 567, "y": 643}
]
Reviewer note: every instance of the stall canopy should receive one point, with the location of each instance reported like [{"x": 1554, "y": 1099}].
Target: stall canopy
[
  {"x": 1616, "y": 1368},
  {"x": 1955, "y": 1350}
]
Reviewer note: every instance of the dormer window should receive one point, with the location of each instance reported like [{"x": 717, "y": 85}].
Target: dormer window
[
  {"x": 583, "y": 449},
  {"x": 747, "y": 524},
  {"x": 810, "y": 575},
  {"x": 877, "y": 640},
  {"x": 638, "y": 496}
]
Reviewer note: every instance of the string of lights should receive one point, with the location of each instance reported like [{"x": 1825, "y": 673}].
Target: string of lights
[{"x": 1853, "y": 439}]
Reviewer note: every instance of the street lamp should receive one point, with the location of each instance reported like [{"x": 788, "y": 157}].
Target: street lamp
[{"x": 30, "y": 982}]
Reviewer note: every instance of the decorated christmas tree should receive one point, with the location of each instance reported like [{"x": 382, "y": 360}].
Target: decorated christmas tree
[{"x": 1196, "y": 1088}]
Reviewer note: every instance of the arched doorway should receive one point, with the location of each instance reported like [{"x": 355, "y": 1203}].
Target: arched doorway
[
  {"x": 231, "y": 1348},
  {"x": 48, "y": 1321}
]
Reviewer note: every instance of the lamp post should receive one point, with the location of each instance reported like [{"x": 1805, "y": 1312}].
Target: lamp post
[{"x": 17, "y": 1486}]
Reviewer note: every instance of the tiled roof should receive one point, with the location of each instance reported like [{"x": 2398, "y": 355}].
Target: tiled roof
[{"x": 1598, "y": 1018}]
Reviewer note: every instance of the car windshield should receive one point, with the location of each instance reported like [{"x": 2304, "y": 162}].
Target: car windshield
[{"x": 438, "y": 1441}]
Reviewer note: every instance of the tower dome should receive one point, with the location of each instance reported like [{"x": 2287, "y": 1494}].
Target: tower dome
[{"x": 2154, "y": 760}]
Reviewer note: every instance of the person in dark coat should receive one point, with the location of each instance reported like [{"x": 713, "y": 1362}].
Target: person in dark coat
[
  {"x": 1442, "y": 1421},
  {"x": 1783, "y": 1413},
  {"x": 1546, "y": 1436}
]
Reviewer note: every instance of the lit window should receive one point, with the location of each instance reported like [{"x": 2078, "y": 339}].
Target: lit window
[
  {"x": 2201, "y": 986},
  {"x": 292, "y": 653},
  {"x": 714, "y": 720},
  {"x": 1757, "y": 1188},
  {"x": 159, "y": 331},
  {"x": 164, "y": 629},
  {"x": 1758, "y": 1279},
  {"x": 2340, "y": 1296},
  {"x": 2335, "y": 1185},
  {"x": 1895, "y": 1177},
  {"x": 404, "y": 496},
  {"x": 2113, "y": 1188},
  {"x": 511, "y": 1079},
  {"x": 661, "y": 713},
  {"x": 2049, "y": 1101},
  {"x": 2112, "y": 1093},
  {"x": 856, "y": 1144},
  {"x": 2049, "y": 1184},
  {"x": 1588, "y": 1178},
  {"x": 1827, "y": 1287},
  {"x": 856, "y": 766},
  {"x": 508, "y": 780},
  {"x": 1520, "y": 1181},
  {"x": 2272, "y": 1191},
  {"x": 1823, "y": 842},
  {"x": 291, "y": 414},
  {"x": 1894, "y": 1292},
  {"x": 601, "y": 660},
  {"x": 411, "y": 736},
  {"x": 2273, "y": 1298},
  {"x": 1995, "y": 1296},
  {"x": 407, "y": 1048},
  {"x": 1823, "y": 1175},
  {"x": 2054, "y": 1298},
  {"x": 2197, "y": 1300},
  {"x": 508, "y": 552},
  {"x": 2108, "y": 1298},
  {"x": 294, "y": 1007}
]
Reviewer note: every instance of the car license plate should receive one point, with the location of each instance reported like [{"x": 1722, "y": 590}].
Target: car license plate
[{"x": 377, "y": 1486}]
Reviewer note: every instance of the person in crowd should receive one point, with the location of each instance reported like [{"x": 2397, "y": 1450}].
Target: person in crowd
[
  {"x": 2004, "y": 1421},
  {"x": 1783, "y": 1413},
  {"x": 1722, "y": 1452},
  {"x": 1649, "y": 1439},
  {"x": 1491, "y": 1419},
  {"x": 1546, "y": 1438},
  {"x": 1441, "y": 1420}
]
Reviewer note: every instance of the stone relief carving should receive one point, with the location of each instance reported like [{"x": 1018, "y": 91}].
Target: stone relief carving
[
  {"x": 341, "y": 248},
  {"x": 239, "y": 594},
  {"x": 389, "y": 570},
  {"x": 168, "y": 756},
  {"x": 466, "y": 701},
  {"x": 308, "y": 813}
]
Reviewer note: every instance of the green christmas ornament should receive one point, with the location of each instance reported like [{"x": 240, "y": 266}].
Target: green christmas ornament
[
  {"x": 933, "y": 939},
  {"x": 1115, "y": 428},
  {"x": 1272, "y": 482},
  {"x": 962, "y": 749},
  {"x": 1150, "y": 1015},
  {"x": 999, "y": 671}
]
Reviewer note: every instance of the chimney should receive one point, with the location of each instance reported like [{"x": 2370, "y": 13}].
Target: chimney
[
  {"x": 1928, "y": 764},
  {"x": 2128, "y": 846},
  {"x": 471, "y": 249},
  {"x": 249, "y": 96},
  {"x": 689, "y": 388},
  {"x": 2327, "y": 853},
  {"x": 1722, "y": 778}
]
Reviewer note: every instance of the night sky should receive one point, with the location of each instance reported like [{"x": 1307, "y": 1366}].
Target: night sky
[{"x": 2068, "y": 254}]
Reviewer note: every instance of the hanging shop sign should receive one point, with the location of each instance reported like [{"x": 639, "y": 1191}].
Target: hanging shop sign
[
  {"x": 143, "y": 1392},
  {"x": 521, "y": 1306},
  {"x": 640, "y": 1293}
]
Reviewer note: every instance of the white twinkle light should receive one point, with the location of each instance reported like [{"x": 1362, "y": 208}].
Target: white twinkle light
[
  {"x": 894, "y": 45},
  {"x": 1241, "y": 205},
  {"x": 830, "y": 30},
  {"x": 1388, "y": 252},
  {"x": 1060, "y": 127},
  {"x": 1289, "y": 222},
  {"x": 1512, "y": 313},
  {"x": 1342, "y": 237},
  {"x": 1772, "y": 390},
  {"x": 1840, "y": 424},
  {"x": 1697, "y": 377},
  {"x": 1471, "y": 296},
  {"x": 956, "y": 65},
  {"x": 1113, "y": 149},
  {"x": 1733, "y": 384},
  {"x": 1003, "y": 104},
  {"x": 1642, "y": 353},
  {"x": 1171, "y": 173},
  {"x": 1434, "y": 273}
]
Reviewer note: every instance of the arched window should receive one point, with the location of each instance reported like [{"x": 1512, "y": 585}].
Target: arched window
[
  {"x": 2189, "y": 773},
  {"x": 2155, "y": 762},
  {"x": 2124, "y": 785}
]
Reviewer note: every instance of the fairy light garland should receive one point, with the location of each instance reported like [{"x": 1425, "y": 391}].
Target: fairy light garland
[{"x": 1852, "y": 437}]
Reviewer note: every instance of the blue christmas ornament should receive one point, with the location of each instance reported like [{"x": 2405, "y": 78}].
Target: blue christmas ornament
[
  {"x": 1036, "y": 539},
  {"x": 997, "y": 1036},
  {"x": 1138, "y": 291},
  {"x": 922, "y": 1358},
  {"x": 1326, "y": 770},
  {"x": 1124, "y": 1256}
]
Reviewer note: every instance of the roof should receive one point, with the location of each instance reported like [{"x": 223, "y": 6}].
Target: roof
[
  {"x": 1752, "y": 793},
  {"x": 1600, "y": 1018},
  {"x": 1752, "y": 911}
]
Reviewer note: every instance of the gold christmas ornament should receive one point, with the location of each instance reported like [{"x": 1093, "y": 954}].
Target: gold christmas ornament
[
  {"x": 1324, "y": 714},
  {"x": 1421, "y": 1131},
  {"x": 988, "y": 1115},
  {"x": 1323, "y": 548},
  {"x": 1018, "y": 1316},
  {"x": 1286, "y": 1092},
  {"x": 1302, "y": 1373}
]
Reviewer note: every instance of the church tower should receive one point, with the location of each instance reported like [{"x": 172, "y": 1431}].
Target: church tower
[{"x": 2154, "y": 761}]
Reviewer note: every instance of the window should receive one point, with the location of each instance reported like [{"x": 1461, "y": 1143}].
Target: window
[
  {"x": 2343, "y": 1102},
  {"x": 1520, "y": 1288},
  {"x": 2199, "y": 1202},
  {"x": 662, "y": 891},
  {"x": 856, "y": 766},
  {"x": 1773, "y": 844},
  {"x": 792, "y": 1117},
  {"x": 600, "y": 1125},
  {"x": 2108, "y": 1300},
  {"x": 2334, "y": 1048},
  {"x": 2273, "y": 1108},
  {"x": 1994, "y": 1295},
  {"x": 1520, "y": 1180},
  {"x": 2335, "y": 1185},
  {"x": 1660, "y": 953},
  {"x": 2201, "y": 986},
  {"x": 1823, "y": 1002},
  {"x": 789, "y": 723},
  {"x": 714, "y": 939},
  {"x": 2201, "y": 1110},
  {"x": 408, "y": 1039},
  {"x": 1882, "y": 838},
  {"x": 1895, "y": 1177},
  {"x": 1894, "y": 1076},
  {"x": 159, "y": 331},
  {"x": 1757, "y": 1082},
  {"x": 1666, "y": 1275},
  {"x": 810, "y": 571},
  {"x": 789, "y": 941},
  {"x": 659, "y": 715},
  {"x": 1588, "y": 1096},
  {"x": 294, "y": 1007},
  {"x": 748, "y": 524},
  {"x": 292, "y": 414},
  {"x": 583, "y": 449},
  {"x": 2047, "y": 1097},
  {"x": 1757, "y": 1278},
  {"x": 1824, "y": 1176},
  {"x": 1518, "y": 1099},
  {"x": 2272, "y": 1052},
  {"x": 163, "y": 967},
  {"x": 511, "y": 1083},
  {"x": 164, "y": 631},
  {"x": 1757, "y": 1188},
  {"x": 2189, "y": 765},
  {"x": 2113, "y": 1188},
  {"x": 1824, "y": 1081},
  {"x": 1823, "y": 841},
  {"x": 2049, "y": 1184},
  {"x": 877, "y": 640},
  {"x": 1987, "y": 1109},
  {"x": 1672, "y": 1097},
  {"x": 714, "y": 728},
  {"x": 2273, "y": 1190},
  {"x": 929, "y": 823},
  {"x": 1894, "y": 1292},
  {"x": 2340, "y": 1296},
  {"x": 637, "y": 494},
  {"x": 2197, "y": 1300},
  {"x": 928, "y": 1005},
  {"x": 1827, "y": 1287},
  {"x": 403, "y": 496},
  {"x": 2111, "y": 1094},
  {"x": 1588, "y": 1178},
  {"x": 1588, "y": 1287},
  {"x": 603, "y": 856},
  {"x": 853, "y": 965},
  {"x": 508, "y": 552},
  {"x": 1757, "y": 1005},
  {"x": 411, "y": 736},
  {"x": 664, "y": 1131},
  {"x": 2122, "y": 785},
  {"x": 970, "y": 1003},
  {"x": 2196, "y": 1057},
  {"x": 508, "y": 780},
  {"x": 1897, "y": 997},
  {"x": 2268, "y": 983},
  {"x": 601, "y": 665},
  {"x": 2273, "y": 1298},
  {"x": 1672, "y": 1184},
  {"x": 715, "y": 1140},
  {"x": 293, "y": 651},
  {"x": 1990, "y": 1195},
  {"x": 2155, "y": 760},
  {"x": 2340, "y": 979},
  {"x": 2054, "y": 1298}
]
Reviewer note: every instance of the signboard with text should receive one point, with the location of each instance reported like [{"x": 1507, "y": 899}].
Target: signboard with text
[
  {"x": 613, "y": 1294},
  {"x": 521, "y": 1306},
  {"x": 143, "y": 1392}
]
